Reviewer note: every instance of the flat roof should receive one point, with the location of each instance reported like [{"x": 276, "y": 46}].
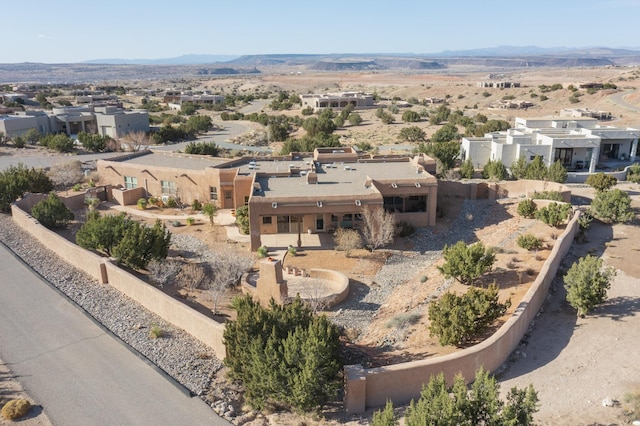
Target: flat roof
[
  {"x": 334, "y": 179},
  {"x": 173, "y": 160}
]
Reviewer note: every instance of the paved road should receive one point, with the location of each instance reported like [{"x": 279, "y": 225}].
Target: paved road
[
  {"x": 618, "y": 98},
  {"x": 80, "y": 374}
]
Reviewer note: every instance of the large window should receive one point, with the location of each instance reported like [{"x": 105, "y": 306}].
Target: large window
[
  {"x": 130, "y": 182},
  {"x": 168, "y": 187},
  {"x": 213, "y": 193},
  {"x": 564, "y": 155}
]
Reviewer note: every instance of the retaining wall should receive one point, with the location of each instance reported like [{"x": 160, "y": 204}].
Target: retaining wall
[
  {"x": 402, "y": 382},
  {"x": 193, "y": 322}
]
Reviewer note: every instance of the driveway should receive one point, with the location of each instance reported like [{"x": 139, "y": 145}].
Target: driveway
[{"x": 76, "y": 370}]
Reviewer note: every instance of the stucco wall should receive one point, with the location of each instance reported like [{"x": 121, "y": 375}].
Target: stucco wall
[
  {"x": 341, "y": 284},
  {"x": 402, "y": 382}
]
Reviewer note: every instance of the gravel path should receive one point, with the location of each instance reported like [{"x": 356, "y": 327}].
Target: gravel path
[{"x": 183, "y": 357}]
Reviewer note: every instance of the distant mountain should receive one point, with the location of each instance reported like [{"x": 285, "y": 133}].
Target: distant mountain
[{"x": 179, "y": 60}]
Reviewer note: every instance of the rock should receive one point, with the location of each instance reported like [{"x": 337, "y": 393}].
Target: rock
[
  {"x": 636, "y": 423},
  {"x": 608, "y": 402}
]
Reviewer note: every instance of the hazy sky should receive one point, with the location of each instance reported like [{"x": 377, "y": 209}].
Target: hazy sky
[{"x": 73, "y": 31}]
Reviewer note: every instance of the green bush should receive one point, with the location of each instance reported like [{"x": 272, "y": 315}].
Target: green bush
[
  {"x": 283, "y": 355},
  {"x": 156, "y": 332},
  {"x": 190, "y": 221},
  {"x": 601, "y": 182},
  {"x": 202, "y": 148},
  {"x": 196, "y": 205},
  {"x": 384, "y": 417},
  {"x": 557, "y": 173},
  {"x": 402, "y": 320},
  {"x": 410, "y": 116},
  {"x": 587, "y": 283},
  {"x": 494, "y": 170},
  {"x": 554, "y": 214},
  {"x": 262, "y": 251},
  {"x": 612, "y": 206},
  {"x": 51, "y": 212},
  {"x": 455, "y": 320},
  {"x": 142, "y": 203},
  {"x": 547, "y": 195},
  {"x": 466, "y": 169},
  {"x": 466, "y": 263},
  {"x": 292, "y": 251},
  {"x": 242, "y": 219},
  {"x": 527, "y": 208},
  {"x": 77, "y": 187},
  {"x": 529, "y": 242},
  {"x": 16, "y": 409},
  {"x": 19, "y": 142},
  {"x": 633, "y": 174},
  {"x": 15, "y": 181},
  {"x": 172, "y": 203}
]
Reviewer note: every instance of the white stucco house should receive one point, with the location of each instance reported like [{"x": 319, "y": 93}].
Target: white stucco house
[{"x": 579, "y": 143}]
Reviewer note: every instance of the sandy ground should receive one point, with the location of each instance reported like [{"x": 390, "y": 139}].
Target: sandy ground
[{"x": 10, "y": 388}]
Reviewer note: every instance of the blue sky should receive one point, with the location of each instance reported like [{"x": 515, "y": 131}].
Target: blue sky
[{"x": 73, "y": 31}]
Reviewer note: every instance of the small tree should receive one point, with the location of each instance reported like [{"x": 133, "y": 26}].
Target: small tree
[
  {"x": 378, "y": 226},
  {"x": 612, "y": 206},
  {"x": 527, "y": 208},
  {"x": 412, "y": 134},
  {"x": 494, "y": 170},
  {"x": 140, "y": 244},
  {"x": 456, "y": 319},
  {"x": 66, "y": 175},
  {"x": 137, "y": 141},
  {"x": 601, "y": 182},
  {"x": 355, "y": 119},
  {"x": 555, "y": 214},
  {"x": 32, "y": 136},
  {"x": 384, "y": 417},
  {"x": 226, "y": 269},
  {"x": 633, "y": 174},
  {"x": 466, "y": 263},
  {"x": 242, "y": 219},
  {"x": 519, "y": 168},
  {"x": 529, "y": 242},
  {"x": 347, "y": 240},
  {"x": 210, "y": 210},
  {"x": 557, "y": 172},
  {"x": 466, "y": 169},
  {"x": 587, "y": 283},
  {"x": 410, "y": 116},
  {"x": 51, "y": 212},
  {"x": 536, "y": 170}
]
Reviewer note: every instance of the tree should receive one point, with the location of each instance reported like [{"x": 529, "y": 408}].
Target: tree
[
  {"x": 527, "y": 208},
  {"x": 226, "y": 269},
  {"x": 457, "y": 319},
  {"x": 466, "y": 169},
  {"x": 283, "y": 355},
  {"x": 137, "y": 141},
  {"x": 198, "y": 124},
  {"x": 278, "y": 131},
  {"x": 557, "y": 172},
  {"x": 466, "y": 263},
  {"x": 378, "y": 227},
  {"x": 140, "y": 244},
  {"x": 445, "y": 152},
  {"x": 59, "y": 142},
  {"x": 15, "y": 181},
  {"x": 355, "y": 119},
  {"x": 387, "y": 118},
  {"x": 412, "y": 134},
  {"x": 93, "y": 142},
  {"x": 447, "y": 133},
  {"x": 440, "y": 405},
  {"x": 210, "y": 210},
  {"x": 554, "y": 214},
  {"x": 102, "y": 233},
  {"x": 202, "y": 148},
  {"x": 385, "y": 417},
  {"x": 51, "y": 212},
  {"x": 536, "y": 170},
  {"x": 587, "y": 283},
  {"x": 242, "y": 219},
  {"x": 410, "y": 116},
  {"x": 32, "y": 136},
  {"x": 612, "y": 206},
  {"x": 347, "y": 240},
  {"x": 494, "y": 170},
  {"x": 66, "y": 174},
  {"x": 601, "y": 182},
  {"x": 519, "y": 168}
]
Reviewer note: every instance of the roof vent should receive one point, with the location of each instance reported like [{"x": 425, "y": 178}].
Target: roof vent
[
  {"x": 394, "y": 185},
  {"x": 418, "y": 185},
  {"x": 358, "y": 203},
  {"x": 274, "y": 205},
  {"x": 319, "y": 203}
]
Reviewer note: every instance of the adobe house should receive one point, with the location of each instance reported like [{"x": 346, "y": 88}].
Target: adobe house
[{"x": 301, "y": 192}]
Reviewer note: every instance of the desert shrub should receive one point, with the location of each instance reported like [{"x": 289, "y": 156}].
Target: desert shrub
[
  {"x": 466, "y": 263},
  {"x": 292, "y": 251},
  {"x": 494, "y": 170},
  {"x": 242, "y": 219},
  {"x": 347, "y": 240},
  {"x": 202, "y": 148},
  {"x": 529, "y": 242},
  {"x": 190, "y": 221},
  {"x": 384, "y": 417},
  {"x": 142, "y": 203},
  {"x": 172, "y": 203},
  {"x": 547, "y": 195},
  {"x": 457, "y": 319},
  {"x": 402, "y": 320},
  {"x": 355, "y": 119},
  {"x": 283, "y": 355},
  {"x": 77, "y": 187},
  {"x": 557, "y": 173},
  {"x": 404, "y": 229},
  {"x": 156, "y": 332},
  {"x": 587, "y": 283},
  {"x": 585, "y": 219},
  {"x": 527, "y": 208},
  {"x": 466, "y": 169},
  {"x": 162, "y": 272},
  {"x": 601, "y": 182},
  {"x": 51, "y": 212},
  {"x": 191, "y": 276},
  {"x": 633, "y": 174},
  {"x": 536, "y": 169},
  {"x": 554, "y": 214},
  {"x": 423, "y": 279},
  {"x": 631, "y": 404},
  {"x": 15, "y": 181},
  {"x": 196, "y": 205},
  {"x": 480, "y": 405},
  {"x": 16, "y": 409},
  {"x": 612, "y": 206},
  {"x": 19, "y": 142},
  {"x": 410, "y": 116},
  {"x": 262, "y": 251}
]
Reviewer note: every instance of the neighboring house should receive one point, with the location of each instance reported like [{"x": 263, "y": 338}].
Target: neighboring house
[
  {"x": 317, "y": 192},
  {"x": 103, "y": 120},
  {"x": 579, "y": 112},
  {"x": 498, "y": 84},
  {"x": 177, "y": 101},
  {"x": 336, "y": 100},
  {"x": 578, "y": 143}
]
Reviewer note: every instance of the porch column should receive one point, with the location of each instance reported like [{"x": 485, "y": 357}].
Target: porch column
[
  {"x": 634, "y": 150},
  {"x": 595, "y": 154}
]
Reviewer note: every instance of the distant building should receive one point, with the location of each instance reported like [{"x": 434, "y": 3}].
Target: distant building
[
  {"x": 103, "y": 120},
  {"x": 434, "y": 100},
  {"x": 578, "y": 143},
  {"x": 312, "y": 192},
  {"x": 336, "y": 100},
  {"x": 579, "y": 112},
  {"x": 498, "y": 84},
  {"x": 176, "y": 101},
  {"x": 512, "y": 104}
]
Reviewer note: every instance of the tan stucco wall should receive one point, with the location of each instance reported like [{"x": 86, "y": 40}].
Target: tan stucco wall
[{"x": 402, "y": 382}]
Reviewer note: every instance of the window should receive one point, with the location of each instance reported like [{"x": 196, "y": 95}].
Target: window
[
  {"x": 213, "y": 193},
  {"x": 168, "y": 187},
  {"x": 130, "y": 182},
  {"x": 246, "y": 200},
  {"x": 266, "y": 220}
]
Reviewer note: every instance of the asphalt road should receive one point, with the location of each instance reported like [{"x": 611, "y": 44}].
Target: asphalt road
[{"x": 78, "y": 372}]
